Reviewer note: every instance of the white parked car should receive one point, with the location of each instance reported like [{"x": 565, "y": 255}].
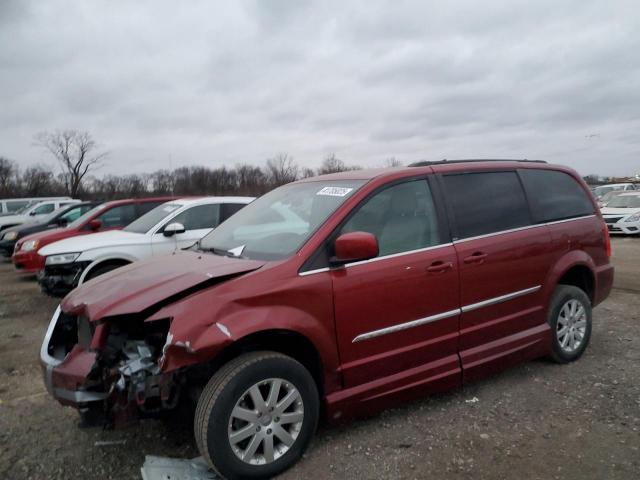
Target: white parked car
[
  {"x": 173, "y": 225},
  {"x": 622, "y": 213},
  {"x": 9, "y": 206},
  {"x": 602, "y": 190},
  {"x": 34, "y": 211}
]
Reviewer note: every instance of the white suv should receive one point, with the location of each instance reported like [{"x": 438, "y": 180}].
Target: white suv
[{"x": 173, "y": 225}]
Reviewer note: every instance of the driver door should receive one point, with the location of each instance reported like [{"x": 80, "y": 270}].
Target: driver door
[
  {"x": 397, "y": 314},
  {"x": 198, "y": 221}
]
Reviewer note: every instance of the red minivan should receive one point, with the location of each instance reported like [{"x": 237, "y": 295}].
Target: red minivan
[
  {"x": 106, "y": 216},
  {"x": 338, "y": 295}
]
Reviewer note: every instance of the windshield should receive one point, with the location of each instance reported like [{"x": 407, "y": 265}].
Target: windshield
[
  {"x": 24, "y": 209},
  {"x": 277, "y": 224},
  {"x": 600, "y": 191},
  {"x": 150, "y": 219},
  {"x": 625, "y": 201},
  {"x": 83, "y": 218}
]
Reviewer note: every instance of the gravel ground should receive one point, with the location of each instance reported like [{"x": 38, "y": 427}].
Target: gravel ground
[{"x": 537, "y": 421}]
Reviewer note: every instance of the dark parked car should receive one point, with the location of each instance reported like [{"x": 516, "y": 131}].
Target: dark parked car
[
  {"x": 60, "y": 218},
  {"x": 341, "y": 295}
]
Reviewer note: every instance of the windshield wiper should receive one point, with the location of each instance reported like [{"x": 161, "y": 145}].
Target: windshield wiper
[{"x": 222, "y": 252}]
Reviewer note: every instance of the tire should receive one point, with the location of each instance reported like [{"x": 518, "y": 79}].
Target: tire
[
  {"x": 232, "y": 390},
  {"x": 570, "y": 329},
  {"x": 96, "y": 272}
]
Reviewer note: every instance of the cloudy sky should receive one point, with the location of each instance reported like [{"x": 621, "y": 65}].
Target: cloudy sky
[{"x": 220, "y": 83}]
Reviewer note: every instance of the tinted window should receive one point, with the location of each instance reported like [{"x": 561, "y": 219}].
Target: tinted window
[
  {"x": 74, "y": 213},
  {"x": 486, "y": 202},
  {"x": 42, "y": 209},
  {"x": 118, "y": 216},
  {"x": 554, "y": 195},
  {"x": 150, "y": 219},
  {"x": 14, "y": 206},
  {"x": 228, "y": 209},
  {"x": 402, "y": 217},
  {"x": 145, "y": 207},
  {"x": 197, "y": 218}
]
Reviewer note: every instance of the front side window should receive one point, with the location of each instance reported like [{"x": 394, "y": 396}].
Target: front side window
[
  {"x": 554, "y": 195},
  {"x": 74, "y": 213},
  {"x": 277, "y": 224},
  {"x": 198, "y": 218},
  {"x": 402, "y": 217},
  {"x": 486, "y": 202},
  {"x": 43, "y": 209}
]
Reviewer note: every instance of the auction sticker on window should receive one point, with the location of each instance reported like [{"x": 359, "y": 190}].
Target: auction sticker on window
[{"x": 334, "y": 191}]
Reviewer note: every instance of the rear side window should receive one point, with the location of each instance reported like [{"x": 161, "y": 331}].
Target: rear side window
[
  {"x": 554, "y": 195},
  {"x": 486, "y": 202},
  {"x": 228, "y": 209},
  {"x": 118, "y": 216},
  {"x": 14, "y": 206}
]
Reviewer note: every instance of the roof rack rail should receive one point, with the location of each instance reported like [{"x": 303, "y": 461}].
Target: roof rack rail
[{"x": 426, "y": 163}]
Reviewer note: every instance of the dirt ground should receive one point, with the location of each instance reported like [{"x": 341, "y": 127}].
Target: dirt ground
[{"x": 537, "y": 421}]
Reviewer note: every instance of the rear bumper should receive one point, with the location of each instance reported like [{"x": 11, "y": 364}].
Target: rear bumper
[
  {"x": 28, "y": 262},
  {"x": 58, "y": 280},
  {"x": 604, "y": 283}
]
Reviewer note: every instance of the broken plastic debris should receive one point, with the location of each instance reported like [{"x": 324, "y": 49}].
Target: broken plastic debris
[
  {"x": 164, "y": 468},
  {"x": 105, "y": 443},
  {"x": 473, "y": 400}
]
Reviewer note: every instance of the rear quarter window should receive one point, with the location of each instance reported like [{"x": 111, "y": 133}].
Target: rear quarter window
[
  {"x": 555, "y": 195},
  {"x": 486, "y": 202}
]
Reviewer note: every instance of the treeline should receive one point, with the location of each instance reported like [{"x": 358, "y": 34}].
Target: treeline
[{"x": 197, "y": 180}]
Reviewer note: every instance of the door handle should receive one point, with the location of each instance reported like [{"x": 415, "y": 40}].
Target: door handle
[
  {"x": 477, "y": 257},
  {"x": 439, "y": 267}
]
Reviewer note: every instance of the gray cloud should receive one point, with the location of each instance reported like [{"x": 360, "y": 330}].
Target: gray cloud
[{"x": 217, "y": 83}]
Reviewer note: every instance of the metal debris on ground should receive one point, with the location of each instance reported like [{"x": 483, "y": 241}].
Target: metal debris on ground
[
  {"x": 105, "y": 443},
  {"x": 164, "y": 468}
]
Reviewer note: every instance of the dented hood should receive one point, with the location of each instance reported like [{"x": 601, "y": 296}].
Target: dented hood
[{"x": 143, "y": 285}]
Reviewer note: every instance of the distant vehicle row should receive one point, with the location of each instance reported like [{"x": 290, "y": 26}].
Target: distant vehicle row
[{"x": 10, "y": 206}]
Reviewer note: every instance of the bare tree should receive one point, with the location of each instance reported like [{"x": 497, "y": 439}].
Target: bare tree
[
  {"x": 281, "y": 169},
  {"x": 332, "y": 164},
  {"x": 8, "y": 174},
  {"x": 74, "y": 150},
  {"x": 391, "y": 162},
  {"x": 38, "y": 181}
]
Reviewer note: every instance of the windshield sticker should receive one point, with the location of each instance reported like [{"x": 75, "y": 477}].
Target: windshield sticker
[
  {"x": 334, "y": 191},
  {"x": 170, "y": 208}
]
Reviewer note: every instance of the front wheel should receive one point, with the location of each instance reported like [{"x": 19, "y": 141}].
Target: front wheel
[
  {"x": 256, "y": 416},
  {"x": 570, "y": 321}
]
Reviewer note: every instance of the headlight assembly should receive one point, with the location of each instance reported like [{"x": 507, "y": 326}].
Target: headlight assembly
[
  {"x": 62, "y": 258},
  {"x": 634, "y": 218},
  {"x": 30, "y": 245},
  {"x": 10, "y": 236}
]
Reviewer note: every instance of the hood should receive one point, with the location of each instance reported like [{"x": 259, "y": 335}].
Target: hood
[
  {"x": 91, "y": 241},
  {"x": 13, "y": 219},
  {"x": 141, "y": 286},
  {"x": 47, "y": 236},
  {"x": 619, "y": 211}
]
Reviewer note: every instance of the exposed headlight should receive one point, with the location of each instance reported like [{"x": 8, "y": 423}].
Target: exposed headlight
[
  {"x": 30, "y": 245},
  {"x": 10, "y": 236},
  {"x": 634, "y": 218},
  {"x": 62, "y": 258}
]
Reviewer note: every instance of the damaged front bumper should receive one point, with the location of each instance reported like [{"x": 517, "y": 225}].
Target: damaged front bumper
[
  {"x": 105, "y": 374},
  {"x": 58, "y": 280}
]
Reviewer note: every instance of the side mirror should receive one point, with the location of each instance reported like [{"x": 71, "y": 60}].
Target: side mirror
[
  {"x": 355, "y": 246},
  {"x": 95, "y": 225},
  {"x": 33, "y": 214},
  {"x": 173, "y": 229}
]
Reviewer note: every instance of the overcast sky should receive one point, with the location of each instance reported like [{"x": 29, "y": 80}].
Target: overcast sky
[{"x": 220, "y": 83}]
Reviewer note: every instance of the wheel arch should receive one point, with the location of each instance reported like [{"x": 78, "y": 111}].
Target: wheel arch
[
  {"x": 119, "y": 261},
  {"x": 575, "y": 268}
]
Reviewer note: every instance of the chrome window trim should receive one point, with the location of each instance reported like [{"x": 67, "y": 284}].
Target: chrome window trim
[
  {"x": 441, "y": 316},
  {"x": 527, "y": 227},
  {"x": 406, "y": 325},
  {"x": 500, "y": 299}
]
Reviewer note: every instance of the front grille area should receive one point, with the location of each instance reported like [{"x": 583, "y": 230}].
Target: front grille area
[
  {"x": 612, "y": 219},
  {"x": 69, "y": 331}
]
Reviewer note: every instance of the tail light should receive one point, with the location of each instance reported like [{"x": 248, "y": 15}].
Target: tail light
[{"x": 607, "y": 239}]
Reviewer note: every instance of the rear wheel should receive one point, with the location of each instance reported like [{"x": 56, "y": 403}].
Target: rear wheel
[
  {"x": 257, "y": 415},
  {"x": 570, "y": 321}
]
